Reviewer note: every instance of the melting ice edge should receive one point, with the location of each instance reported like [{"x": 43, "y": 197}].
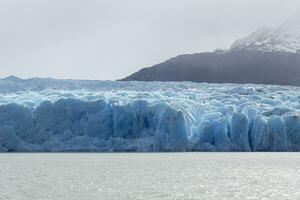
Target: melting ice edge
[{"x": 73, "y": 115}]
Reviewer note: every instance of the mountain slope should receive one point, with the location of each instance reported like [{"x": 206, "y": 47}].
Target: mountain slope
[
  {"x": 231, "y": 67},
  {"x": 267, "y": 56}
]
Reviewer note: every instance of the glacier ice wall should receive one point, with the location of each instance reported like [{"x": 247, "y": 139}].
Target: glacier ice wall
[{"x": 72, "y": 115}]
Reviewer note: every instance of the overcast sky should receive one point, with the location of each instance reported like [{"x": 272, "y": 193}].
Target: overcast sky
[{"x": 109, "y": 39}]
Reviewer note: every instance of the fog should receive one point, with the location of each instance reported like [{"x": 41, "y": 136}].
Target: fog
[{"x": 110, "y": 39}]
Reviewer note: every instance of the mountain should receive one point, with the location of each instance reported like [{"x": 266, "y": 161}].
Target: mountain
[{"x": 267, "y": 56}]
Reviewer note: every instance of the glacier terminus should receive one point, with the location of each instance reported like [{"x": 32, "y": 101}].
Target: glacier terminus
[{"x": 44, "y": 114}]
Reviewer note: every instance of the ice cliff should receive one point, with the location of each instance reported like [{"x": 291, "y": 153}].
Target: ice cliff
[{"x": 72, "y": 115}]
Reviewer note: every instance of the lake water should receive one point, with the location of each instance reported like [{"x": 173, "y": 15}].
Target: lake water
[{"x": 84, "y": 176}]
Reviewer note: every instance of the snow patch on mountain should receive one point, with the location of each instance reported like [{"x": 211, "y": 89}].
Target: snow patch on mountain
[{"x": 285, "y": 38}]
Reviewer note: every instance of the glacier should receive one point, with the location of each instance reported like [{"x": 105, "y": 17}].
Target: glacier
[{"x": 52, "y": 115}]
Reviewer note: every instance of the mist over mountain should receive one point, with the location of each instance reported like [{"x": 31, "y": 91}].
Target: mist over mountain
[{"x": 267, "y": 56}]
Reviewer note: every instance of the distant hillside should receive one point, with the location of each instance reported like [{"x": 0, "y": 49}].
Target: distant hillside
[{"x": 230, "y": 67}]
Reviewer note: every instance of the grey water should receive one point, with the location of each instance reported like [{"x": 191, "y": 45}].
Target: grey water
[{"x": 209, "y": 176}]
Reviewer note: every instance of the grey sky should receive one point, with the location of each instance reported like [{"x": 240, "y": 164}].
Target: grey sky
[{"x": 109, "y": 39}]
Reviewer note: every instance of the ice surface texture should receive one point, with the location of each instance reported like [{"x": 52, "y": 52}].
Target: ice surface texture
[{"x": 72, "y": 115}]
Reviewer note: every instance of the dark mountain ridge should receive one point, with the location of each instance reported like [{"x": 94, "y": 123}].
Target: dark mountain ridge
[{"x": 242, "y": 66}]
